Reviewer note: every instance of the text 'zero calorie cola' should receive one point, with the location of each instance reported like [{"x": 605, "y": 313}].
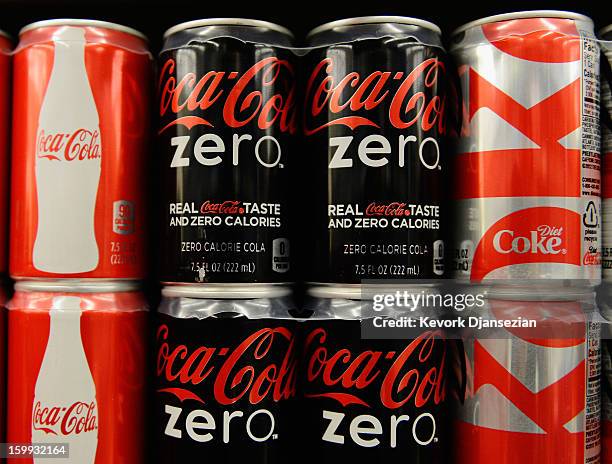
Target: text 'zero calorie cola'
[
  {"x": 226, "y": 371},
  {"x": 77, "y": 364},
  {"x": 373, "y": 122},
  {"x": 5, "y": 128},
  {"x": 80, "y": 128},
  {"x": 606, "y": 128},
  {"x": 527, "y": 176},
  {"x": 531, "y": 395},
  {"x": 227, "y": 99}
]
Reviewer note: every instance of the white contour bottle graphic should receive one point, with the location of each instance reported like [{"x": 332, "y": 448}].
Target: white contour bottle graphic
[
  {"x": 68, "y": 162},
  {"x": 65, "y": 408}
]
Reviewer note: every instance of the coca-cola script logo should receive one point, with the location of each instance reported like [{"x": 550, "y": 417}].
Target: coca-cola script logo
[
  {"x": 531, "y": 235},
  {"x": 79, "y": 417},
  {"x": 264, "y": 94},
  {"x": 76, "y": 146},
  {"x": 415, "y": 373},
  {"x": 393, "y": 209},
  {"x": 224, "y": 207},
  {"x": 412, "y": 97},
  {"x": 251, "y": 370}
]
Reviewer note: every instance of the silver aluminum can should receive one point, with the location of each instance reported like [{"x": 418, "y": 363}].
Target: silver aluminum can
[
  {"x": 527, "y": 172},
  {"x": 530, "y": 394},
  {"x": 606, "y": 127}
]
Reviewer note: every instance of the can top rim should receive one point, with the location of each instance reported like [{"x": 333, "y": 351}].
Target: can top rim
[
  {"x": 227, "y": 22},
  {"x": 374, "y": 20},
  {"x": 70, "y": 286},
  {"x": 226, "y": 291},
  {"x": 82, "y": 23},
  {"x": 358, "y": 291},
  {"x": 522, "y": 15},
  {"x": 605, "y": 30}
]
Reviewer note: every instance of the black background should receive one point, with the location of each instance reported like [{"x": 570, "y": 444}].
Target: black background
[{"x": 154, "y": 17}]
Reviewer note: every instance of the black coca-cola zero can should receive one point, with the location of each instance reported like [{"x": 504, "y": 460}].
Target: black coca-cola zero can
[
  {"x": 226, "y": 373},
  {"x": 227, "y": 120},
  {"x": 364, "y": 400},
  {"x": 374, "y": 122}
]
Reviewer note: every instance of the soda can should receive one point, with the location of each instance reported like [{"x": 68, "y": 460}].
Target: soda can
[
  {"x": 527, "y": 185},
  {"x": 80, "y": 131},
  {"x": 227, "y": 123},
  {"x": 606, "y": 128},
  {"x": 364, "y": 399},
  {"x": 4, "y": 295},
  {"x": 77, "y": 367},
  {"x": 6, "y": 46},
  {"x": 531, "y": 390},
  {"x": 605, "y": 305},
  {"x": 226, "y": 367},
  {"x": 374, "y": 121}
]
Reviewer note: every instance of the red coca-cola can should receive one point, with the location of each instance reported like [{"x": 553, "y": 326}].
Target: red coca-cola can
[
  {"x": 528, "y": 168},
  {"x": 5, "y": 101},
  {"x": 80, "y": 130},
  {"x": 530, "y": 377},
  {"x": 3, "y": 300},
  {"x": 77, "y": 368}
]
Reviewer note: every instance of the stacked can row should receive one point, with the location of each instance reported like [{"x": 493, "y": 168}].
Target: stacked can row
[{"x": 234, "y": 195}]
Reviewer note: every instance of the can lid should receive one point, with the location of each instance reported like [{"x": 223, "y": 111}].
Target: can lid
[
  {"x": 374, "y": 20},
  {"x": 363, "y": 292},
  {"x": 226, "y": 291},
  {"x": 605, "y": 30},
  {"x": 82, "y": 23},
  {"x": 523, "y": 15},
  {"x": 77, "y": 286},
  {"x": 227, "y": 22}
]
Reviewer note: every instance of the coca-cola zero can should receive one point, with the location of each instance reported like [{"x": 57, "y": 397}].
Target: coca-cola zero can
[
  {"x": 364, "y": 399},
  {"x": 77, "y": 367},
  {"x": 226, "y": 368},
  {"x": 80, "y": 132},
  {"x": 373, "y": 122},
  {"x": 227, "y": 92},
  {"x": 606, "y": 128}
]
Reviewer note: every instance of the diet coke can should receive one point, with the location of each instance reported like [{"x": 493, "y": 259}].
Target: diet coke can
[
  {"x": 606, "y": 127},
  {"x": 373, "y": 122},
  {"x": 531, "y": 382},
  {"x": 527, "y": 175},
  {"x": 5, "y": 128},
  {"x": 227, "y": 119},
  {"x": 226, "y": 369},
  {"x": 77, "y": 365},
  {"x": 80, "y": 130},
  {"x": 369, "y": 400}
]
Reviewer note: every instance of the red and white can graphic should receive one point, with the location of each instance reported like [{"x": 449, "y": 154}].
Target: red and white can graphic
[
  {"x": 5, "y": 125},
  {"x": 532, "y": 395},
  {"x": 528, "y": 168},
  {"x": 80, "y": 130},
  {"x": 77, "y": 365},
  {"x": 606, "y": 128}
]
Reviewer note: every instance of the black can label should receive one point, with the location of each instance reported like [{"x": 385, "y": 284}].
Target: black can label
[
  {"x": 221, "y": 387},
  {"x": 374, "y": 119},
  {"x": 227, "y": 119},
  {"x": 372, "y": 400}
]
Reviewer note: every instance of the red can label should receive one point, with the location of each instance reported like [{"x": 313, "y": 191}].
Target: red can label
[
  {"x": 5, "y": 124},
  {"x": 77, "y": 369},
  {"x": 80, "y": 127}
]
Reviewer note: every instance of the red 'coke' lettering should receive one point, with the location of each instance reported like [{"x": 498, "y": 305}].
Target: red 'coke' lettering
[
  {"x": 241, "y": 372},
  {"x": 228, "y": 92},
  {"x": 327, "y": 94}
]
